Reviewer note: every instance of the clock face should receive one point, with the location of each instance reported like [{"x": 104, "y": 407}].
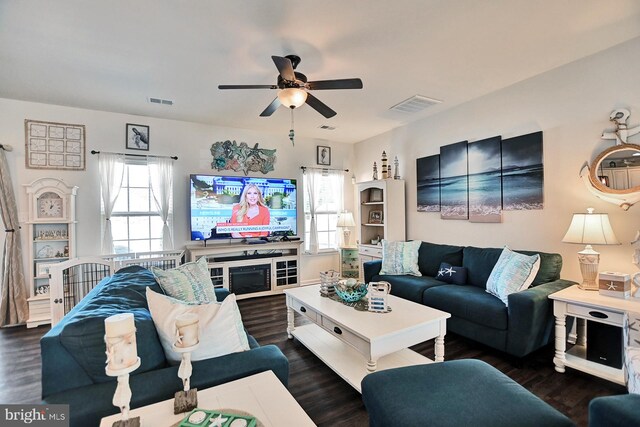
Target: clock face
[{"x": 49, "y": 206}]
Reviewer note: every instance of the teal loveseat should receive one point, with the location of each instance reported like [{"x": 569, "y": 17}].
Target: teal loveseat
[
  {"x": 523, "y": 326},
  {"x": 73, "y": 354}
]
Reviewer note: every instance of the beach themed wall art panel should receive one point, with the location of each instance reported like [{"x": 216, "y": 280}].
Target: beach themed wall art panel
[
  {"x": 522, "y": 172},
  {"x": 454, "y": 181},
  {"x": 485, "y": 180},
  {"x": 428, "y": 183}
]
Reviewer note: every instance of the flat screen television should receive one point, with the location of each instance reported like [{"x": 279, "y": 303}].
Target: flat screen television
[{"x": 234, "y": 207}]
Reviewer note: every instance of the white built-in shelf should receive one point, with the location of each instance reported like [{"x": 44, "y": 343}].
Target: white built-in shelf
[
  {"x": 49, "y": 240},
  {"x": 373, "y": 203},
  {"x": 52, "y": 259},
  {"x": 374, "y": 225},
  {"x": 39, "y": 297}
]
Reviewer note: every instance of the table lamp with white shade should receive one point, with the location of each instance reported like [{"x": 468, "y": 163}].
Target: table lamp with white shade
[
  {"x": 345, "y": 220},
  {"x": 590, "y": 229}
]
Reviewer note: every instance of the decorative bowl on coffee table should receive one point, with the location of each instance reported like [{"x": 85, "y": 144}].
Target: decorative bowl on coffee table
[{"x": 351, "y": 290}]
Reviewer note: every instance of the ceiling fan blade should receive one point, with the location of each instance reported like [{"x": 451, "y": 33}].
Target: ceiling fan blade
[
  {"x": 271, "y": 108},
  {"x": 335, "y": 84},
  {"x": 285, "y": 67},
  {"x": 247, "y": 87},
  {"x": 320, "y": 106}
]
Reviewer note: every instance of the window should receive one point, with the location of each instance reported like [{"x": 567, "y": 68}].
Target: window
[
  {"x": 136, "y": 224},
  {"x": 328, "y": 189}
]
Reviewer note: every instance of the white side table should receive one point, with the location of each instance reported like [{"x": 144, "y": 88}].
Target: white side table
[{"x": 587, "y": 305}]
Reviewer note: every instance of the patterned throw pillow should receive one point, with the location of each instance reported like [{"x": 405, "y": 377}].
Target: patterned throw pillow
[
  {"x": 400, "y": 258},
  {"x": 514, "y": 272},
  {"x": 189, "y": 282},
  {"x": 632, "y": 351},
  {"x": 450, "y": 274}
]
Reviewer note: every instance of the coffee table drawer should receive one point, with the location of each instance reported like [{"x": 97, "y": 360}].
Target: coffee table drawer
[
  {"x": 345, "y": 335},
  {"x": 304, "y": 310}
]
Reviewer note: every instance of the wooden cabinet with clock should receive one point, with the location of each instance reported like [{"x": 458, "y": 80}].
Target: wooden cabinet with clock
[{"x": 52, "y": 239}]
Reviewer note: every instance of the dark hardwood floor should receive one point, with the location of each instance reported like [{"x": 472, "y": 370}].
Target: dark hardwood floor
[{"x": 321, "y": 392}]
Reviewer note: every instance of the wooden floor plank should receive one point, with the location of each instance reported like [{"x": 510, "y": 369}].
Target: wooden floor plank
[{"x": 327, "y": 399}]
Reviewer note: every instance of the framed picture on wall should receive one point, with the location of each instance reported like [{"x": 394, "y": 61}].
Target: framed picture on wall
[
  {"x": 137, "y": 137},
  {"x": 323, "y": 155}
]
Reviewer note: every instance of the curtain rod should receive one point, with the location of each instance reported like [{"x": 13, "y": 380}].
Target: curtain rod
[
  {"x": 6, "y": 147},
  {"x": 304, "y": 168},
  {"x": 135, "y": 155}
]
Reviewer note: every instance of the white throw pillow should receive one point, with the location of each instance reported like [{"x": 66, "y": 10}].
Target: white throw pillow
[
  {"x": 221, "y": 329},
  {"x": 514, "y": 272}
]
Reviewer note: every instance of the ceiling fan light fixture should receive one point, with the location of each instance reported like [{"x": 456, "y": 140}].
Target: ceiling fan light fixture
[{"x": 292, "y": 97}]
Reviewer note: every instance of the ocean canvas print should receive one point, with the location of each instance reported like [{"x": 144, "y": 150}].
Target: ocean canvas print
[
  {"x": 485, "y": 180},
  {"x": 428, "y": 183},
  {"x": 454, "y": 181},
  {"x": 522, "y": 172}
]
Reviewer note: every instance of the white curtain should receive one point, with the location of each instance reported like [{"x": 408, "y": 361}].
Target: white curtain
[
  {"x": 111, "y": 174},
  {"x": 13, "y": 305},
  {"x": 336, "y": 181},
  {"x": 161, "y": 178},
  {"x": 313, "y": 177}
]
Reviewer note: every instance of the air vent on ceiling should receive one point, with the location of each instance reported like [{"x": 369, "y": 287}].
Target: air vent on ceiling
[
  {"x": 414, "y": 104},
  {"x": 327, "y": 127},
  {"x": 160, "y": 101}
]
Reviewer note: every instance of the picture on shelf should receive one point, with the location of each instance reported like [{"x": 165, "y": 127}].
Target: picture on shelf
[
  {"x": 43, "y": 269},
  {"x": 375, "y": 217},
  {"x": 375, "y": 195}
]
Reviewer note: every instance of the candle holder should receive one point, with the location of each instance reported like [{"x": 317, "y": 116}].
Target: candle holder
[
  {"x": 122, "y": 359},
  {"x": 187, "y": 341},
  {"x": 122, "y": 396},
  {"x": 187, "y": 399}
]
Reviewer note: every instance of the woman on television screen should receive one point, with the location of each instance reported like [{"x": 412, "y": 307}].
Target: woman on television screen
[{"x": 251, "y": 210}]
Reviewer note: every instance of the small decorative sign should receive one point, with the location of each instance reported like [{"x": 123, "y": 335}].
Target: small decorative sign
[
  {"x": 614, "y": 284},
  {"x": 50, "y": 145}
]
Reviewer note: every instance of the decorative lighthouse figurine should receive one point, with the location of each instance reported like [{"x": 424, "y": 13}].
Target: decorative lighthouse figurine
[
  {"x": 384, "y": 165},
  {"x": 396, "y": 163},
  {"x": 375, "y": 171}
]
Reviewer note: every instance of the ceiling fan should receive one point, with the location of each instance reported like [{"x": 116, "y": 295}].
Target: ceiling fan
[{"x": 294, "y": 87}]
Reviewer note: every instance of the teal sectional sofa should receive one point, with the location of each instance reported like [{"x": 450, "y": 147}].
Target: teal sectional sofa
[
  {"x": 73, "y": 354},
  {"x": 523, "y": 326}
]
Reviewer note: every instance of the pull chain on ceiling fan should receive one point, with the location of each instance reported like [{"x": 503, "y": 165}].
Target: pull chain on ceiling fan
[{"x": 294, "y": 88}]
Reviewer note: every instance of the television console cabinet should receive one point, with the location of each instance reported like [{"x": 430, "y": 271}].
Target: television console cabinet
[{"x": 251, "y": 270}]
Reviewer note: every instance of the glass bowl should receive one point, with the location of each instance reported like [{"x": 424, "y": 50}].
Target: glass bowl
[{"x": 351, "y": 290}]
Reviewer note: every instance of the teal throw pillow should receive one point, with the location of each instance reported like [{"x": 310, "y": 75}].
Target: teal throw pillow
[
  {"x": 514, "y": 272},
  {"x": 189, "y": 282},
  {"x": 400, "y": 258}
]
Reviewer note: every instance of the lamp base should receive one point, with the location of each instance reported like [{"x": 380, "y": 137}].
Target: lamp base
[
  {"x": 346, "y": 237},
  {"x": 589, "y": 261}
]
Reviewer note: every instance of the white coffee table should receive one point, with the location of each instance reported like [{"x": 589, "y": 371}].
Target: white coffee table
[
  {"x": 262, "y": 395},
  {"x": 354, "y": 343}
]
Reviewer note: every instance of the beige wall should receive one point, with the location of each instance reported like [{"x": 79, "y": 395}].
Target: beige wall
[
  {"x": 189, "y": 141},
  {"x": 571, "y": 105}
]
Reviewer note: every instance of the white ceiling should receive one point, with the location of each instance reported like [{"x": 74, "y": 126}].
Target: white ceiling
[{"x": 112, "y": 55}]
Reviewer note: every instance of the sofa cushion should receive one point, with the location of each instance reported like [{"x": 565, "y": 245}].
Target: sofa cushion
[
  {"x": 470, "y": 303},
  {"x": 479, "y": 263},
  {"x": 83, "y": 332},
  {"x": 514, "y": 272},
  {"x": 452, "y": 275},
  {"x": 409, "y": 287},
  {"x": 550, "y": 267},
  {"x": 400, "y": 258},
  {"x": 431, "y": 255}
]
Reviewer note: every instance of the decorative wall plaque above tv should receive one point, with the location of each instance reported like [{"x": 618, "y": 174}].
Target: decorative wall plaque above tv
[{"x": 50, "y": 145}]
